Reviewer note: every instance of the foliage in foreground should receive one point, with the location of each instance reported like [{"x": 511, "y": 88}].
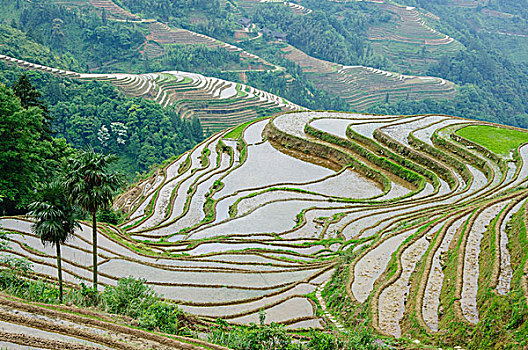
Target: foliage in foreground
[
  {"x": 274, "y": 336},
  {"x": 132, "y": 298},
  {"x": 29, "y": 154}
]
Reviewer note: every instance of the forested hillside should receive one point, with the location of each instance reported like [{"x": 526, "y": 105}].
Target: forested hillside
[{"x": 93, "y": 114}]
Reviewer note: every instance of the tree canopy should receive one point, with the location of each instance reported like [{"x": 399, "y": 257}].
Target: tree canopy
[{"x": 29, "y": 155}]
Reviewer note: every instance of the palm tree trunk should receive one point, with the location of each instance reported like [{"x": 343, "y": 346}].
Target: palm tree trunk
[
  {"x": 94, "y": 248},
  {"x": 59, "y": 270}
]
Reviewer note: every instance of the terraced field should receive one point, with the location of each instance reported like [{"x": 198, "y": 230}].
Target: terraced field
[
  {"x": 364, "y": 87},
  {"x": 296, "y": 8},
  {"x": 469, "y": 3},
  {"x": 257, "y": 217},
  {"x": 161, "y": 34},
  {"x": 32, "y": 326},
  {"x": 411, "y": 28},
  {"x": 408, "y": 40},
  {"x": 114, "y": 10},
  {"x": 216, "y": 102},
  {"x": 165, "y": 35}
]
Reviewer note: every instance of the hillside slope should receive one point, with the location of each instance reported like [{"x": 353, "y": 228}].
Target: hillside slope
[
  {"x": 35, "y": 325},
  {"x": 216, "y": 102},
  {"x": 412, "y": 224},
  {"x": 408, "y": 40},
  {"x": 161, "y": 35},
  {"x": 363, "y": 87}
]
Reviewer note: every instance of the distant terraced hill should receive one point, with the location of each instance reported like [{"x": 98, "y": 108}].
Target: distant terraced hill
[
  {"x": 161, "y": 34},
  {"x": 296, "y": 8},
  {"x": 408, "y": 40},
  {"x": 217, "y": 103},
  {"x": 424, "y": 225},
  {"x": 363, "y": 87},
  {"x": 165, "y": 35}
]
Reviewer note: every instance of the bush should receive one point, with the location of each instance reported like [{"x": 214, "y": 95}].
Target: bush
[
  {"x": 359, "y": 340},
  {"x": 321, "y": 341},
  {"x": 86, "y": 296},
  {"x": 40, "y": 291},
  {"x": 264, "y": 337},
  {"x": 110, "y": 216},
  {"x": 11, "y": 277},
  {"x": 131, "y": 297},
  {"x": 161, "y": 317}
]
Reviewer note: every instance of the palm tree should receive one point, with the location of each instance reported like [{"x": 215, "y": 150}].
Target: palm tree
[
  {"x": 91, "y": 186},
  {"x": 55, "y": 219}
]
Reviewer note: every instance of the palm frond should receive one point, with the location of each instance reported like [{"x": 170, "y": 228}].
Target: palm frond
[{"x": 55, "y": 217}]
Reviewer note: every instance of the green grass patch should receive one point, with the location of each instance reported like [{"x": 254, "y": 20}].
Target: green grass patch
[
  {"x": 497, "y": 140},
  {"x": 236, "y": 133}
]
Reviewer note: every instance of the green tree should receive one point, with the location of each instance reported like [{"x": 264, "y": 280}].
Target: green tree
[
  {"x": 23, "y": 151},
  {"x": 26, "y": 92},
  {"x": 92, "y": 186},
  {"x": 55, "y": 219},
  {"x": 30, "y": 97}
]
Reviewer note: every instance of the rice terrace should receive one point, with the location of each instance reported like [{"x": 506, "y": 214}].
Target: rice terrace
[
  {"x": 263, "y": 175},
  {"x": 390, "y": 213}
]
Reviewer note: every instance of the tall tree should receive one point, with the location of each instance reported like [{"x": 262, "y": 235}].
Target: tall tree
[
  {"x": 23, "y": 152},
  {"x": 55, "y": 220},
  {"x": 92, "y": 186},
  {"x": 30, "y": 97},
  {"x": 26, "y": 92}
]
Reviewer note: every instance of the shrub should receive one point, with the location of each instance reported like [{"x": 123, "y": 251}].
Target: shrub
[
  {"x": 86, "y": 296},
  {"x": 40, "y": 291},
  {"x": 265, "y": 337},
  {"x": 162, "y": 317},
  {"x": 17, "y": 266},
  {"x": 110, "y": 216},
  {"x": 321, "y": 341},
  {"x": 11, "y": 276},
  {"x": 361, "y": 339},
  {"x": 131, "y": 297}
]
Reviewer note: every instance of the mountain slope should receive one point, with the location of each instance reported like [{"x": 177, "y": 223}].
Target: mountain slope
[
  {"x": 216, "y": 102},
  {"x": 363, "y": 87},
  {"x": 408, "y": 219}
]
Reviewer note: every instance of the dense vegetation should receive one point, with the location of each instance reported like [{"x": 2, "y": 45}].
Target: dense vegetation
[
  {"x": 92, "y": 114},
  {"x": 95, "y": 114},
  {"x": 321, "y": 34},
  {"x": 29, "y": 154},
  {"x": 205, "y": 16},
  {"x": 92, "y": 39}
]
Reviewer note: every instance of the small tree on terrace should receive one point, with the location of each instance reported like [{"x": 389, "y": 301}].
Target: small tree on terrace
[
  {"x": 55, "y": 219},
  {"x": 92, "y": 186}
]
